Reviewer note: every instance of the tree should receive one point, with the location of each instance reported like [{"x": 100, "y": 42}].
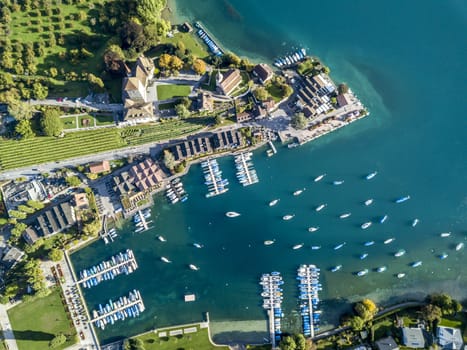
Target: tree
[
  {"x": 7, "y": 60},
  {"x": 51, "y": 123},
  {"x": 356, "y": 323},
  {"x": 40, "y": 91},
  {"x": 55, "y": 255},
  {"x": 149, "y": 11},
  {"x": 182, "y": 111},
  {"x": 24, "y": 129},
  {"x": 96, "y": 83},
  {"x": 366, "y": 309},
  {"x": 431, "y": 312},
  {"x": 288, "y": 343},
  {"x": 444, "y": 301},
  {"x": 58, "y": 340},
  {"x": 35, "y": 204},
  {"x": 176, "y": 63},
  {"x": 343, "y": 88},
  {"x": 19, "y": 109},
  {"x": 113, "y": 60},
  {"x": 17, "y": 231},
  {"x": 186, "y": 101},
  {"x": 26, "y": 209},
  {"x": 169, "y": 159},
  {"x": 164, "y": 61},
  {"x": 92, "y": 228},
  {"x": 53, "y": 72},
  {"x": 299, "y": 121},
  {"x": 300, "y": 341},
  {"x": 199, "y": 66},
  {"x": 73, "y": 181},
  {"x": 17, "y": 214},
  {"x": 261, "y": 93},
  {"x": 232, "y": 59}
]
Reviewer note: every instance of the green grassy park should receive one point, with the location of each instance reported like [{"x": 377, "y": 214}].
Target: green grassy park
[
  {"x": 37, "y": 321},
  {"x": 164, "y": 92}
]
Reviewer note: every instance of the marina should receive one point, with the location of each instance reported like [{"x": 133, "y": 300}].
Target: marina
[
  {"x": 119, "y": 309},
  {"x": 246, "y": 174},
  {"x": 272, "y": 302},
  {"x": 175, "y": 192},
  {"x": 213, "y": 178},
  {"x": 291, "y": 60},
  {"x": 203, "y": 35},
  {"x": 309, "y": 286},
  {"x": 121, "y": 263}
]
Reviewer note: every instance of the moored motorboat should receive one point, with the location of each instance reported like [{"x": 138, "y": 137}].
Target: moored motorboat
[
  {"x": 315, "y": 247},
  {"x": 161, "y": 238},
  {"x": 193, "y": 267},
  {"x": 400, "y": 275},
  {"x": 336, "y": 268},
  {"x": 402, "y": 199},
  {"x": 415, "y": 222},
  {"x": 321, "y": 207},
  {"x": 339, "y": 246},
  {"x": 362, "y": 272},
  {"x": 365, "y": 225},
  {"x": 313, "y": 229},
  {"x": 338, "y": 182},
  {"x": 389, "y": 240},
  {"x": 273, "y": 202},
  {"x": 445, "y": 234},
  {"x": 269, "y": 242},
  {"x": 319, "y": 178},
  {"x": 381, "y": 269},
  {"x": 197, "y": 245},
  {"x": 459, "y": 246},
  {"x": 288, "y": 217},
  {"x": 416, "y": 263},
  {"x": 363, "y": 256},
  {"x": 345, "y": 215},
  {"x": 369, "y": 201},
  {"x": 399, "y": 253},
  {"x": 164, "y": 259},
  {"x": 297, "y": 246},
  {"x": 371, "y": 175},
  {"x": 232, "y": 214},
  {"x": 383, "y": 219},
  {"x": 443, "y": 256},
  {"x": 298, "y": 192},
  {"x": 368, "y": 243}
]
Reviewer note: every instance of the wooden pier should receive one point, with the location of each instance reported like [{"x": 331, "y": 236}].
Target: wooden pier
[{"x": 143, "y": 220}]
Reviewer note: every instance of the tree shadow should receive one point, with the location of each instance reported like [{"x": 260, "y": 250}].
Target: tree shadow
[{"x": 33, "y": 335}]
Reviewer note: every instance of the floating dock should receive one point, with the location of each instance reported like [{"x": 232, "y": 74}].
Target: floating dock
[
  {"x": 213, "y": 46},
  {"x": 175, "y": 192},
  {"x": 308, "y": 276},
  {"x": 119, "y": 309},
  {"x": 121, "y": 263},
  {"x": 272, "y": 301},
  {"x": 273, "y": 150},
  {"x": 246, "y": 174},
  {"x": 213, "y": 178},
  {"x": 140, "y": 220}
]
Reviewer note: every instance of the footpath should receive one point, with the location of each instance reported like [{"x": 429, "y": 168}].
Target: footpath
[{"x": 8, "y": 334}]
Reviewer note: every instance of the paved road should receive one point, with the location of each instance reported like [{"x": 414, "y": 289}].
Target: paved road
[{"x": 7, "y": 330}]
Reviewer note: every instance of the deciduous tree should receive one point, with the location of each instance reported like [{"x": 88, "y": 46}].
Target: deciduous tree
[
  {"x": 299, "y": 121},
  {"x": 24, "y": 129},
  {"x": 261, "y": 93},
  {"x": 51, "y": 123},
  {"x": 199, "y": 66}
]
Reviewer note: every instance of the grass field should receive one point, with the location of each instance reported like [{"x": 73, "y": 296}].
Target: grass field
[
  {"x": 191, "y": 43},
  {"x": 192, "y": 341},
  {"x": 69, "y": 122},
  {"x": 164, "y": 92},
  {"x": 274, "y": 91},
  {"x": 36, "y": 322}
]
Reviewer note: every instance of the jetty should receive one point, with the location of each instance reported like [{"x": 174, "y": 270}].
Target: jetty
[
  {"x": 140, "y": 220},
  {"x": 107, "y": 235},
  {"x": 245, "y": 171},
  {"x": 270, "y": 152},
  {"x": 308, "y": 276},
  {"x": 175, "y": 192},
  {"x": 213, "y": 178},
  {"x": 272, "y": 301},
  {"x": 121, "y": 263},
  {"x": 118, "y": 309}
]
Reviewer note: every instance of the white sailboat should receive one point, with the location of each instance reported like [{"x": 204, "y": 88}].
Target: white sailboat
[
  {"x": 164, "y": 259},
  {"x": 193, "y": 267},
  {"x": 313, "y": 229},
  {"x": 319, "y": 178},
  {"x": 232, "y": 214},
  {"x": 273, "y": 202},
  {"x": 345, "y": 215},
  {"x": 321, "y": 207},
  {"x": 288, "y": 217}
]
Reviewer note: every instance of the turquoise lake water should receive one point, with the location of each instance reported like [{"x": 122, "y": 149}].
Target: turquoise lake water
[{"x": 406, "y": 61}]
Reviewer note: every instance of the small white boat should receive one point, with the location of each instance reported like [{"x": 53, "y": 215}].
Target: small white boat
[
  {"x": 232, "y": 214},
  {"x": 362, "y": 273},
  {"x": 369, "y": 243},
  {"x": 401, "y": 275},
  {"x": 371, "y": 175},
  {"x": 459, "y": 246},
  {"x": 339, "y": 246},
  {"x": 269, "y": 242},
  {"x": 319, "y": 178},
  {"x": 161, "y": 238},
  {"x": 164, "y": 259},
  {"x": 389, "y": 240},
  {"x": 320, "y": 207},
  {"x": 369, "y": 201},
  {"x": 298, "y": 192},
  {"x": 416, "y": 264},
  {"x": 336, "y": 268},
  {"x": 365, "y": 225},
  {"x": 363, "y": 256},
  {"x": 443, "y": 256},
  {"x": 288, "y": 217},
  {"x": 402, "y": 199},
  {"x": 399, "y": 253},
  {"x": 197, "y": 245},
  {"x": 273, "y": 202},
  {"x": 315, "y": 247},
  {"x": 338, "y": 182},
  {"x": 381, "y": 269},
  {"x": 297, "y": 246},
  {"x": 345, "y": 215},
  {"x": 193, "y": 267},
  {"x": 383, "y": 219},
  {"x": 415, "y": 222},
  {"x": 445, "y": 234},
  {"x": 313, "y": 229}
]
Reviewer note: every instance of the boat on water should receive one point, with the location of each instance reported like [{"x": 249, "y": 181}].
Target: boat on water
[
  {"x": 415, "y": 222},
  {"x": 288, "y": 217},
  {"x": 368, "y": 243},
  {"x": 313, "y": 229},
  {"x": 319, "y": 178},
  {"x": 363, "y": 256},
  {"x": 445, "y": 234},
  {"x": 416, "y": 264},
  {"x": 161, "y": 238},
  {"x": 232, "y": 214},
  {"x": 401, "y": 275},
  {"x": 338, "y": 182},
  {"x": 273, "y": 202},
  {"x": 164, "y": 259},
  {"x": 193, "y": 267},
  {"x": 336, "y": 268},
  {"x": 371, "y": 175},
  {"x": 297, "y": 246},
  {"x": 362, "y": 273},
  {"x": 269, "y": 242},
  {"x": 381, "y": 269},
  {"x": 443, "y": 256},
  {"x": 402, "y": 199},
  {"x": 389, "y": 240},
  {"x": 315, "y": 247},
  {"x": 459, "y": 246},
  {"x": 197, "y": 245},
  {"x": 339, "y": 246},
  {"x": 321, "y": 207},
  {"x": 345, "y": 215},
  {"x": 298, "y": 192},
  {"x": 383, "y": 219},
  {"x": 399, "y": 253},
  {"x": 365, "y": 225},
  {"x": 369, "y": 201}
]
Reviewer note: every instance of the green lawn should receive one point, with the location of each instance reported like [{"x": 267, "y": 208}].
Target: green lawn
[
  {"x": 69, "y": 122},
  {"x": 191, "y": 42},
  {"x": 274, "y": 91},
  {"x": 449, "y": 322},
  {"x": 102, "y": 119},
  {"x": 192, "y": 341},
  {"x": 164, "y": 92},
  {"x": 37, "y": 321}
]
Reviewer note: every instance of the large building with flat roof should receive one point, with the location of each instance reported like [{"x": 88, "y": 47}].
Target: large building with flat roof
[{"x": 413, "y": 337}]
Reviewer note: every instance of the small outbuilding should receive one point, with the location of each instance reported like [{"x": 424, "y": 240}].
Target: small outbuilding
[{"x": 413, "y": 337}]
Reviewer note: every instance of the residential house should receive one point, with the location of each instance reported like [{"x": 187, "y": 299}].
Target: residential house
[
  {"x": 449, "y": 338},
  {"x": 11, "y": 256},
  {"x": 387, "y": 343},
  {"x": 413, "y": 337},
  {"x": 229, "y": 81},
  {"x": 81, "y": 201},
  {"x": 243, "y": 117},
  {"x": 263, "y": 72},
  {"x": 99, "y": 167},
  {"x": 17, "y": 193},
  {"x": 51, "y": 221}
]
